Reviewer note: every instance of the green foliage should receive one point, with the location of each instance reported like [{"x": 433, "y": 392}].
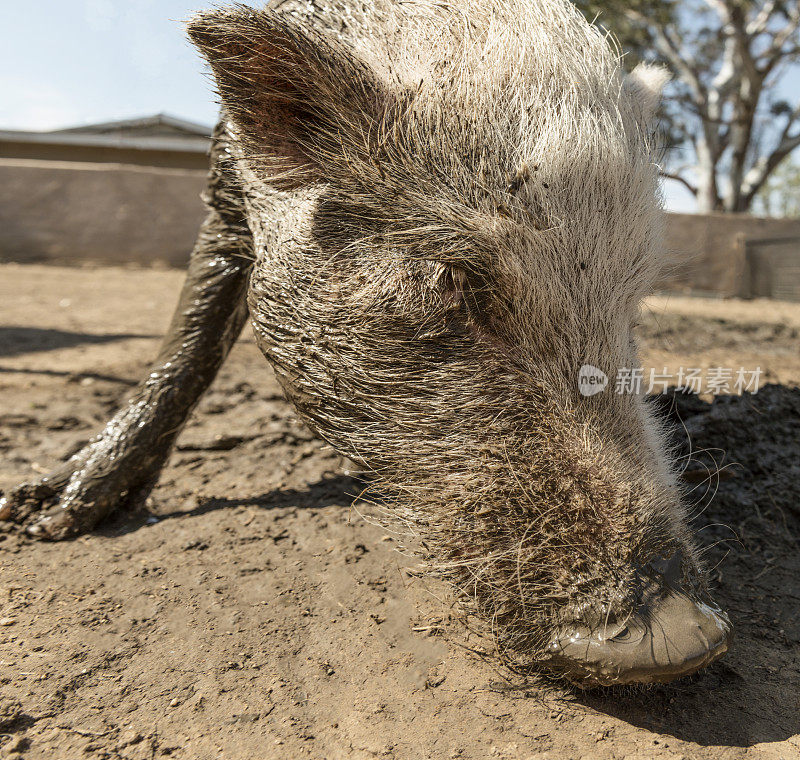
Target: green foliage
[{"x": 616, "y": 17}]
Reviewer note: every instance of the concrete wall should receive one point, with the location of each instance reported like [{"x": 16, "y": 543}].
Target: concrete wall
[
  {"x": 76, "y": 153},
  {"x": 706, "y": 252},
  {"x": 772, "y": 269},
  {"x": 60, "y": 211},
  {"x": 69, "y": 212}
]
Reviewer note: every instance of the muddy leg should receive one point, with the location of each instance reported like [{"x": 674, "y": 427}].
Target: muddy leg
[{"x": 123, "y": 462}]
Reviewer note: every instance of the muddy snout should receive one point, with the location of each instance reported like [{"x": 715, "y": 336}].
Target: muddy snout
[{"x": 669, "y": 636}]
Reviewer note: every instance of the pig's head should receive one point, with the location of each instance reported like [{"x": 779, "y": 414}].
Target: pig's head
[{"x": 455, "y": 208}]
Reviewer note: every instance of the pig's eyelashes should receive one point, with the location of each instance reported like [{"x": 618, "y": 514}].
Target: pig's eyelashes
[
  {"x": 453, "y": 278},
  {"x": 454, "y": 284}
]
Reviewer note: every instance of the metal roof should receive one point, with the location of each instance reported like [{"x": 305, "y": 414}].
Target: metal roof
[
  {"x": 143, "y": 122},
  {"x": 146, "y": 133}
]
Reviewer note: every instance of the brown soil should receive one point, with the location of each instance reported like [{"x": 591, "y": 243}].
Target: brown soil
[{"x": 250, "y": 613}]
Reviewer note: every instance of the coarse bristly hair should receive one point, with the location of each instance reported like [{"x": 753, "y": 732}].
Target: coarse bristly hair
[{"x": 455, "y": 207}]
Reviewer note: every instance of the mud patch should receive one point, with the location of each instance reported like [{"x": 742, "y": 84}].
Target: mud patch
[{"x": 249, "y": 613}]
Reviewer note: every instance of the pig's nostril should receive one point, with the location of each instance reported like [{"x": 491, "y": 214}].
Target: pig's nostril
[
  {"x": 672, "y": 636},
  {"x": 623, "y": 635}
]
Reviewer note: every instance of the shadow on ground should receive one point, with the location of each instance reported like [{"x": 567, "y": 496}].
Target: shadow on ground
[
  {"x": 328, "y": 491},
  {"x": 15, "y": 340},
  {"x": 333, "y": 490},
  {"x": 749, "y": 524},
  {"x": 748, "y": 697}
]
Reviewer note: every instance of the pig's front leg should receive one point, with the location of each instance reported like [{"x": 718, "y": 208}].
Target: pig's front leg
[{"x": 123, "y": 462}]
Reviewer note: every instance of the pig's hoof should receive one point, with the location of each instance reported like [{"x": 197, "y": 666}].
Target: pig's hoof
[
  {"x": 54, "y": 526},
  {"x": 34, "y": 508},
  {"x": 25, "y": 501}
]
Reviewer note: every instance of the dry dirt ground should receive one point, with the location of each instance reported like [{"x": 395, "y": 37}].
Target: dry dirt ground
[{"x": 250, "y": 613}]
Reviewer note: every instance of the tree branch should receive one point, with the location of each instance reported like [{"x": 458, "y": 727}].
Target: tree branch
[
  {"x": 727, "y": 59},
  {"x": 720, "y": 7},
  {"x": 761, "y": 169},
  {"x": 758, "y": 24},
  {"x": 677, "y": 177},
  {"x": 775, "y": 51}
]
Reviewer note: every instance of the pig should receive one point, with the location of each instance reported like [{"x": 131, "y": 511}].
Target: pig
[{"x": 433, "y": 215}]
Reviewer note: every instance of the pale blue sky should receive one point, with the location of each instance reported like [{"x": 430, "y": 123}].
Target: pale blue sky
[{"x": 67, "y": 62}]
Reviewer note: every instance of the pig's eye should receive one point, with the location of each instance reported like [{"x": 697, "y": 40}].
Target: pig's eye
[
  {"x": 465, "y": 292},
  {"x": 452, "y": 282}
]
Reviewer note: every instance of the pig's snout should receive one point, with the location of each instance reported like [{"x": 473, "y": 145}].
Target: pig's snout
[{"x": 670, "y": 635}]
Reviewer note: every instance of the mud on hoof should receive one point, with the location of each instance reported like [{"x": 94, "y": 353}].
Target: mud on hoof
[
  {"x": 34, "y": 508},
  {"x": 64, "y": 504}
]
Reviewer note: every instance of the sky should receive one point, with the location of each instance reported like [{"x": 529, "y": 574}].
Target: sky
[
  {"x": 67, "y": 62},
  {"x": 70, "y": 62}
]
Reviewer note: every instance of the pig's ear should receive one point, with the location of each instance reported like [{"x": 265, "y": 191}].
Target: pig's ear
[
  {"x": 294, "y": 96},
  {"x": 646, "y": 83}
]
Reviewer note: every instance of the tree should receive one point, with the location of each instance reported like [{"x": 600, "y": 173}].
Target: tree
[
  {"x": 722, "y": 107},
  {"x": 780, "y": 194}
]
